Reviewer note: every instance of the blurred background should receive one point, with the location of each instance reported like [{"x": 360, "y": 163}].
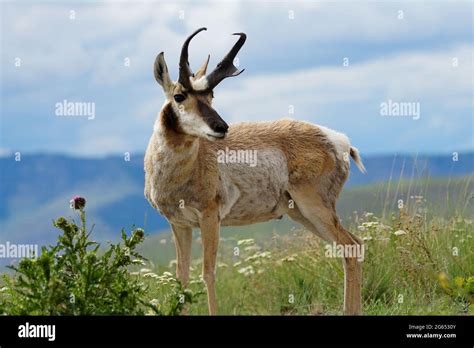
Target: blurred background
[{"x": 338, "y": 64}]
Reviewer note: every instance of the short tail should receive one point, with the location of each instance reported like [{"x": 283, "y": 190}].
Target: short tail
[{"x": 357, "y": 159}]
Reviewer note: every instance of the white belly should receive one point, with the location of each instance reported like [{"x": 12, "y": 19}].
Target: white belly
[{"x": 254, "y": 192}]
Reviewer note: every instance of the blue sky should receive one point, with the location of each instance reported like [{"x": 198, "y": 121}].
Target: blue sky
[{"x": 416, "y": 52}]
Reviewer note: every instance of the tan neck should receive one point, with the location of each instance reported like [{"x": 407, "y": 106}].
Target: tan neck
[{"x": 178, "y": 152}]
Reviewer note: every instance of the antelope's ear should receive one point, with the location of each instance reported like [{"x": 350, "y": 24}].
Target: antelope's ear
[
  {"x": 203, "y": 69},
  {"x": 161, "y": 74}
]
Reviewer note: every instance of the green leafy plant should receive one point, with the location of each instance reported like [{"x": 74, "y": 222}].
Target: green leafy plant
[{"x": 74, "y": 277}]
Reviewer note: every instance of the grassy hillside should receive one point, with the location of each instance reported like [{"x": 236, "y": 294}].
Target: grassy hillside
[
  {"x": 418, "y": 259},
  {"x": 439, "y": 197},
  {"x": 413, "y": 265},
  {"x": 36, "y": 189}
]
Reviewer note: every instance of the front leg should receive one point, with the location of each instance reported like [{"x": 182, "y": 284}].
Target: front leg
[
  {"x": 210, "y": 225},
  {"x": 183, "y": 238}
]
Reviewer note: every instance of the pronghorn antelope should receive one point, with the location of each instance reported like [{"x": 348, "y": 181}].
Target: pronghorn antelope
[{"x": 301, "y": 170}]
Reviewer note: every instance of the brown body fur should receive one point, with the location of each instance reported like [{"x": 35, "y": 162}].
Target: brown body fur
[
  {"x": 189, "y": 187},
  {"x": 196, "y": 179}
]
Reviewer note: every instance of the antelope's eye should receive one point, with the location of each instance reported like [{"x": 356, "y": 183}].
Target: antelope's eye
[{"x": 179, "y": 98}]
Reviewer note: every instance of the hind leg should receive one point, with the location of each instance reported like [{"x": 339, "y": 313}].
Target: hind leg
[
  {"x": 296, "y": 215},
  {"x": 321, "y": 216}
]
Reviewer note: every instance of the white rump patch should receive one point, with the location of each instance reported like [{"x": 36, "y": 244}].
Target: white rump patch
[
  {"x": 200, "y": 84},
  {"x": 340, "y": 141}
]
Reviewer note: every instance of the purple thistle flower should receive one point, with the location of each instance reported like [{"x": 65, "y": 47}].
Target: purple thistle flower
[{"x": 77, "y": 203}]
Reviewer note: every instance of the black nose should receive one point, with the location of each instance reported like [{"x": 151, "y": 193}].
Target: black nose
[{"x": 221, "y": 128}]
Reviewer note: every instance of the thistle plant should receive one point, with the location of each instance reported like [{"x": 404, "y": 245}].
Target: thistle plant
[{"x": 74, "y": 278}]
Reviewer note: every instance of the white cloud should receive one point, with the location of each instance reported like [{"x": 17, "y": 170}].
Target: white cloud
[
  {"x": 347, "y": 99},
  {"x": 96, "y": 142},
  {"x": 83, "y": 59},
  {"x": 412, "y": 76},
  {"x": 4, "y": 152},
  {"x": 54, "y": 46}
]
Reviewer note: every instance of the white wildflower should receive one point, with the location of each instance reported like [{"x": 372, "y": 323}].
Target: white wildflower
[
  {"x": 139, "y": 262},
  {"x": 249, "y": 241},
  {"x": 247, "y": 270},
  {"x": 222, "y": 265},
  {"x": 289, "y": 258},
  {"x": 155, "y": 302},
  {"x": 399, "y": 233}
]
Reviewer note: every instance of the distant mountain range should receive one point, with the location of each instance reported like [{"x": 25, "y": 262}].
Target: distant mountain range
[{"x": 37, "y": 189}]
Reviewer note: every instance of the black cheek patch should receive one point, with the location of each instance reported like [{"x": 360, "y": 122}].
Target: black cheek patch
[{"x": 170, "y": 119}]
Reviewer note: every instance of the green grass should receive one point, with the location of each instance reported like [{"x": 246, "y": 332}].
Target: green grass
[
  {"x": 283, "y": 270},
  {"x": 441, "y": 197},
  {"x": 418, "y": 261},
  {"x": 410, "y": 274}
]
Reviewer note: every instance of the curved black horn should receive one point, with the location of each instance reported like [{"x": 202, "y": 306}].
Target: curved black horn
[
  {"x": 184, "y": 69},
  {"x": 226, "y": 67}
]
